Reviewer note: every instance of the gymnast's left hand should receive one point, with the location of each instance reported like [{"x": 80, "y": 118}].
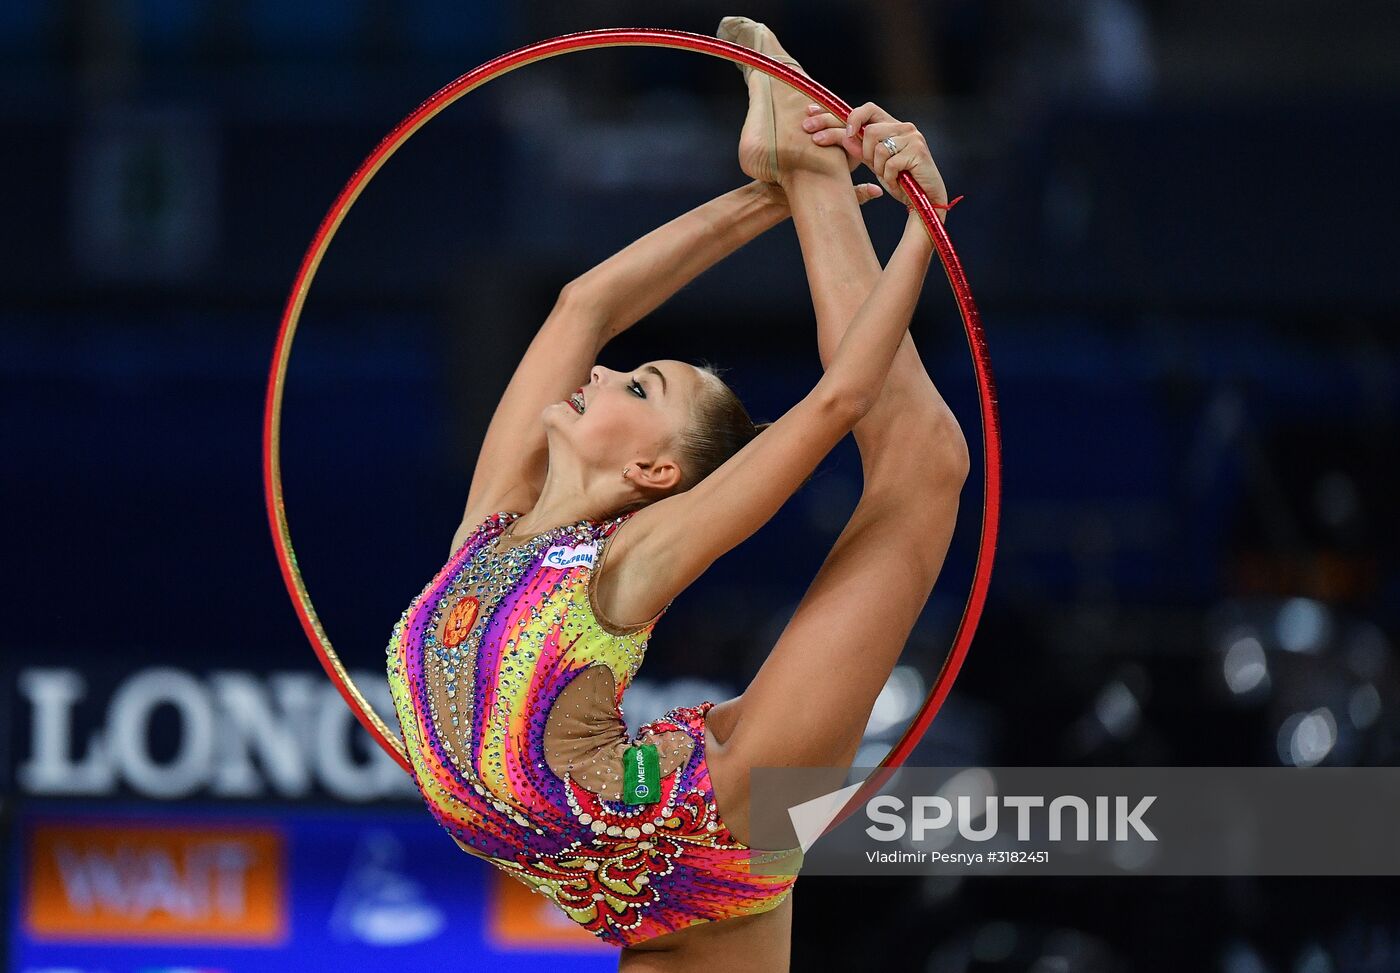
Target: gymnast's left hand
[{"x": 868, "y": 126}]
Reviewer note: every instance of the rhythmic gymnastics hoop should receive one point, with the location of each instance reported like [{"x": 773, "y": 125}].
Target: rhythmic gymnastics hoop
[{"x": 583, "y": 41}]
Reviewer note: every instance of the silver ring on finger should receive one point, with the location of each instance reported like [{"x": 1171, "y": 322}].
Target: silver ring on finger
[{"x": 889, "y": 143}]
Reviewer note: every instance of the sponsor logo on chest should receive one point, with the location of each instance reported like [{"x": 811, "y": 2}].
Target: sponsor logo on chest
[{"x": 563, "y": 556}]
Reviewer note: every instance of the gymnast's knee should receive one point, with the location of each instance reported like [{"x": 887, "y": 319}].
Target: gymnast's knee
[
  {"x": 951, "y": 460},
  {"x": 938, "y": 458},
  {"x": 940, "y": 446},
  {"x": 921, "y": 482},
  {"x": 921, "y": 433}
]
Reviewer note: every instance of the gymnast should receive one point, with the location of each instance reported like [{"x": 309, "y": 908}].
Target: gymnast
[{"x": 508, "y": 669}]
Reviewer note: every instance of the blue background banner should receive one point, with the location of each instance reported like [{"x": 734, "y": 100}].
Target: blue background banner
[{"x": 365, "y": 891}]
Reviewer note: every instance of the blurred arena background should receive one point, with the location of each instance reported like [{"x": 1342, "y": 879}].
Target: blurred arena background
[{"x": 1180, "y": 228}]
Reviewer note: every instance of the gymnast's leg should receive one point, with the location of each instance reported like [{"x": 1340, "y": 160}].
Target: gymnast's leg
[{"x": 855, "y": 618}]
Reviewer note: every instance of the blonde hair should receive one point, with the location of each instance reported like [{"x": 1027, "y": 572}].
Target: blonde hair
[{"x": 719, "y": 427}]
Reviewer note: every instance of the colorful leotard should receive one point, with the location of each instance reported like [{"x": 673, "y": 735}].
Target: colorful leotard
[{"x": 508, "y": 689}]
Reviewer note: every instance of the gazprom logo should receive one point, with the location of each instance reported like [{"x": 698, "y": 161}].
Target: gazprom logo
[{"x": 561, "y": 556}]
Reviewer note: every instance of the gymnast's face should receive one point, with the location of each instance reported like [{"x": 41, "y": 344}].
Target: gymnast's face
[{"x": 635, "y": 417}]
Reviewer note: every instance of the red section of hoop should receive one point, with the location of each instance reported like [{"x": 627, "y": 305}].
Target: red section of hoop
[{"x": 957, "y": 279}]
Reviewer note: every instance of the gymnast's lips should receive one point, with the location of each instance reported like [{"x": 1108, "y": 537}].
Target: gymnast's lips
[{"x": 577, "y": 402}]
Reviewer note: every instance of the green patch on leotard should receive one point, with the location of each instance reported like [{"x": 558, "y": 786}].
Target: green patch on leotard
[{"x": 641, "y": 775}]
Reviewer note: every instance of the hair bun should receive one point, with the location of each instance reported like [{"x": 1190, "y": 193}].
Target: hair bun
[{"x": 758, "y": 427}]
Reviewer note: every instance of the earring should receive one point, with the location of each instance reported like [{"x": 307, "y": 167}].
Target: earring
[{"x": 624, "y": 471}]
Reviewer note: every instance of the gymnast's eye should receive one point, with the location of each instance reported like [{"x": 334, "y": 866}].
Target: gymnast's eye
[{"x": 638, "y": 386}]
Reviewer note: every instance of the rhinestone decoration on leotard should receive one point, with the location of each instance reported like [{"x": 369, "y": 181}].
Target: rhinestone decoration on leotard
[
  {"x": 473, "y": 684},
  {"x": 482, "y": 580}
]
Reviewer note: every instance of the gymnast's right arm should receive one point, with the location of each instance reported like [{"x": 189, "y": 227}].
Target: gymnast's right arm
[
  {"x": 675, "y": 539},
  {"x": 638, "y": 279}
]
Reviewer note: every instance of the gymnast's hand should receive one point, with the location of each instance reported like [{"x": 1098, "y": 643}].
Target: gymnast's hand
[{"x": 866, "y": 145}]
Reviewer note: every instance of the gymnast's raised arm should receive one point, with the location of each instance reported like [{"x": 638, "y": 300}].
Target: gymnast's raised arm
[
  {"x": 673, "y": 540},
  {"x": 590, "y": 311}
]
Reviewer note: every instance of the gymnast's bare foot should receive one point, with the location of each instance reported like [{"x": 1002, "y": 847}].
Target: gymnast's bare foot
[{"x": 773, "y": 144}]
